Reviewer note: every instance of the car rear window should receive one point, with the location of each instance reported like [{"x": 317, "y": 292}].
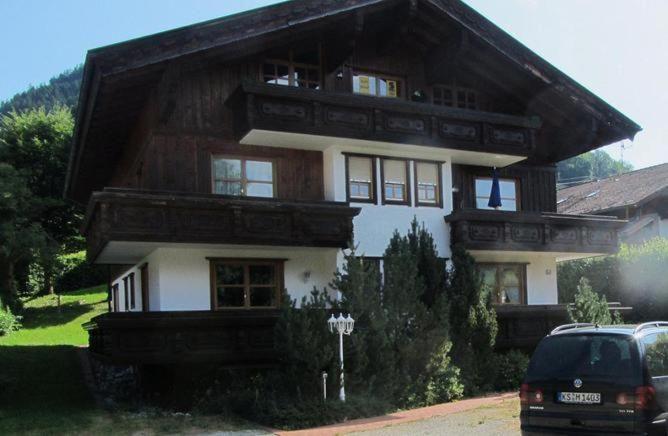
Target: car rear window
[{"x": 604, "y": 357}]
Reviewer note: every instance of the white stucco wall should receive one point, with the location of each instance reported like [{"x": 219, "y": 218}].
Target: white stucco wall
[
  {"x": 121, "y": 290},
  {"x": 375, "y": 224},
  {"x": 179, "y": 277},
  {"x": 541, "y": 272},
  {"x": 663, "y": 228}
]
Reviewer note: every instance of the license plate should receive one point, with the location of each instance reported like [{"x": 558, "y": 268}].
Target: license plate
[{"x": 579, "y": 397}]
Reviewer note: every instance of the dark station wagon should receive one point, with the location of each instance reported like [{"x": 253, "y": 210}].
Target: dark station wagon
[{"x": 590, "y": 379}]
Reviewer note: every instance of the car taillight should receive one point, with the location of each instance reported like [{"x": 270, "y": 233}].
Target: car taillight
[
  {"x": 644, "y": 397},
  {"x": 529, "y": 395},
  {"x": 623, "y": 399}
]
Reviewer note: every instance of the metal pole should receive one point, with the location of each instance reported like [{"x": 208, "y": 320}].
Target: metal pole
[{"x": 342, "y": 391}]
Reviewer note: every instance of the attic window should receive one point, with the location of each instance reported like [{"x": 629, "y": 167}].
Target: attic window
[
  {"x": 453, "y": 96},
  {"x": 300, "y": 70},
  {"x": 377, "y": 85}
]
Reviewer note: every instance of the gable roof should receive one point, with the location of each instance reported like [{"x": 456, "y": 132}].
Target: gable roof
[
  {"x": 117, "y": 78},
  {"x": 628, "y": 189}
]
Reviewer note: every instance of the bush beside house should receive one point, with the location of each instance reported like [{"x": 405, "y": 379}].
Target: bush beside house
[
  {"x": 419, "y": 339},
  {"x": 636, "y": 277}
]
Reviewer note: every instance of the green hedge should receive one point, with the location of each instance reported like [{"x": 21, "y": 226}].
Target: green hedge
[
  {"x": 637, "y": 276},
  {"x": 78, "y": 273}
]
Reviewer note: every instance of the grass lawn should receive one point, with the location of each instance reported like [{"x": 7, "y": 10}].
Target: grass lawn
[{"x": 42, "y": 390}]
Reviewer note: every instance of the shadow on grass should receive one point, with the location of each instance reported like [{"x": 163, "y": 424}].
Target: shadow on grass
[
  {"x": 42, "y": 391},
  {"x": 47, "y": 316}
]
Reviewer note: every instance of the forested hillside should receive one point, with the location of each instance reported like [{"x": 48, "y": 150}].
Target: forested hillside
[
  {"x": 60, "y": 90},
  {"x": 594, "y": 165}
]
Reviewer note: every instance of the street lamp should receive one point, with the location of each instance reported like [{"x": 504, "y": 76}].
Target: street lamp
[{"x": 342, "y": 326}]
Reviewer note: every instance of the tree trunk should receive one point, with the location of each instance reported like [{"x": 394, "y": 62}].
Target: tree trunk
[{"x": 7, "y": 285}]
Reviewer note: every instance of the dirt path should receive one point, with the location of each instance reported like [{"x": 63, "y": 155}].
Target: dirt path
[
  {"x": 501, "y": 419},
  {"x": 410, "y": 421}
]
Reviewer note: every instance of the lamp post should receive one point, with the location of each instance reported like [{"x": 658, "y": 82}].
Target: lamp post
[{"x": 342, "y": 326}]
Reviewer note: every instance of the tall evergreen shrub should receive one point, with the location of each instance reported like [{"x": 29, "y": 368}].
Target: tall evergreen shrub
[
  {"x": 473, "y": 325},
  {"x": 401, "y": 347},
  {"x": 591, "y": 307}
]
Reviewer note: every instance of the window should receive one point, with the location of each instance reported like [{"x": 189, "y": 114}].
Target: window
[
  {"x": 509, "y": 193},
  {"x": 131, "y": 278},
  {"x": 245, "y": 283},
  {"x": 300, "y": 70},
  {"x": 376, "y": 85},
  {"x": 244, "y": 177},
  {"x": 428, "y": 183},
  {"x": 603, "y": 357},
  {"x": 126, "y": 300},
  {"x": 506, "y": 282},
  {"x": 656, "y": 346},
  {"x": 114, "y": 297},
  {"x": 361, "y": 180},
  {"x": 143, "y": 270},
  {"x": 395, "y": 181},
  {"x": 455, "y": 97}
]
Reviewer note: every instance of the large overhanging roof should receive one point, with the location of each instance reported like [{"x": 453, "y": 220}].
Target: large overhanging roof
[{"x": 117, "y": 78}]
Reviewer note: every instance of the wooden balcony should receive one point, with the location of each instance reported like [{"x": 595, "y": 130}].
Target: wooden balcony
[
  {"x": 522, "y": 326},
  {"x": 141, "y": 216},
  {"x": 480, "y": 229},
  {"x": 266, "y": 112},
  {"x": 230, "y": 337}
]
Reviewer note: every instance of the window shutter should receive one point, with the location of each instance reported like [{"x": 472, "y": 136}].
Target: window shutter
[
  {"x": 427, "y": 173},
  {"x": 394, "y": 171},
  {"x": 360, "y": 169}
]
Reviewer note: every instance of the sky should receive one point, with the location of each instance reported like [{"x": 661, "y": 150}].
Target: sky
[{"x": 615, "y": 48}]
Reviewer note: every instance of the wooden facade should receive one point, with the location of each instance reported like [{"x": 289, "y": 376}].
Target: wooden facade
[
  {"x": 536, "y": 185},
  {"x": 534, "y": 231},
  {"x": 524, "y": 326},
  {"x": 231, "y": 338}
]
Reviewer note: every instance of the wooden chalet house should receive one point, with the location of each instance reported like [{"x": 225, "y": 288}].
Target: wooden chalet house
[
  {"x": 640, "y": 197},
  {"x": 226, "y": 161}
]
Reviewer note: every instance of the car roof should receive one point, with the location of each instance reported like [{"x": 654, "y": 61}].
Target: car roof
[{"x": 618, "y": 329}]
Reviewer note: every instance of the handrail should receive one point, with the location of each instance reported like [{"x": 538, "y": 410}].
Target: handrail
[
  {"x": 650, "y": 324},
  {"x": 576, "y": 325}
]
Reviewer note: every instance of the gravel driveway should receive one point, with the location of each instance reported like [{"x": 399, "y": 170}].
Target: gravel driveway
[{"x": 498, "y": 420}]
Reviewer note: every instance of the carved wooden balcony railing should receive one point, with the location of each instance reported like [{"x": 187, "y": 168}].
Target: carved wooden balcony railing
[
  {"x": 480, "y": 229},
  {"x": 284, "y": 109},
  {"x": 128, "y": 215},
  {"x": 230, "y": 337},
  {"x": 523, "y": 326}
]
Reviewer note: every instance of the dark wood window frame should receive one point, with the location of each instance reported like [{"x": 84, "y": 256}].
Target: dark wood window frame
[
  {"x": 114, "y": 296},
  {"x": 244, "y": 180},
  {"x": 401, "y": 82},
  {"x": 126, "y": 302},
  {"x": 407, "y": 188},
  {"x": 522, "y": 277},
  {"x": 292, "y": 66},
  {"x": 374, "y": 183},
  {"x": 278, "y": 264},
  {"x": 468, "y": 103},
  {"x": 439, "y": 186},
  {"x": 518, "y": 203},
  {"x": 143, "y": 271},
  {"x": 133, "y": 298}
]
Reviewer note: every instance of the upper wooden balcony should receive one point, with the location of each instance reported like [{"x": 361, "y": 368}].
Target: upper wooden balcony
[
  {"x": 290, "y": 116},
  {"x": 166, "y": 217},
  {"x": 479, "y": 229}
]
